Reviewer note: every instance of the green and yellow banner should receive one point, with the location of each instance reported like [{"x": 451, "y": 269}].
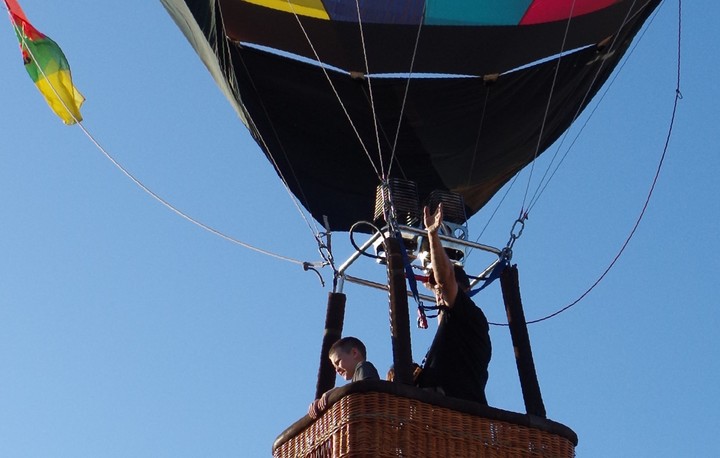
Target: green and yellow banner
[{"x": 47, "y": 66}]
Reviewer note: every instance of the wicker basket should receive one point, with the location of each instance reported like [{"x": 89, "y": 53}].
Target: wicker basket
[{"x": 368, "y": 423}]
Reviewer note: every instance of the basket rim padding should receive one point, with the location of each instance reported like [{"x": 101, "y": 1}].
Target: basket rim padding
[{"x": 436, "y": 399}]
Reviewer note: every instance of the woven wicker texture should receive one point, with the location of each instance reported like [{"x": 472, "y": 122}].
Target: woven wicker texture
[{"x": 384, "y": 425}]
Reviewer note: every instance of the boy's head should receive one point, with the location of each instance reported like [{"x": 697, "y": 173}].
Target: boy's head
[{"x": 346, "y": 354}]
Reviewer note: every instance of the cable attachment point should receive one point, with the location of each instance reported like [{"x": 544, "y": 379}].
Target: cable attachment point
[
  {"x": 515, "y": 233},
  {"x": 506, "y": 254},
  {"x": 388, "y": 209}
]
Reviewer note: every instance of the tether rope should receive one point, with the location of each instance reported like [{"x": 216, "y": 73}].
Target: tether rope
[
  {"x": 176, "y": 210},
  {"x": 138, "y": 182}
]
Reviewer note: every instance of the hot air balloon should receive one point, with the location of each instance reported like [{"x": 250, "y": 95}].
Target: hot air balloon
[{"x": 350, "y": 99}]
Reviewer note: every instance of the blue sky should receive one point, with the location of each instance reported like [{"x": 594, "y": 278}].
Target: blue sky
[{"x": 125, "y": 330}]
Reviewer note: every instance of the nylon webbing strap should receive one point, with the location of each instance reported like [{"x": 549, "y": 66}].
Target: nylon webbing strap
[{"x": 494, "y": 275}]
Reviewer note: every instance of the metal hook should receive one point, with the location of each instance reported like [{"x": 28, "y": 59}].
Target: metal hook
[
  {"x": 307, "y": 266},
  {"x": 516, "y": 235}
]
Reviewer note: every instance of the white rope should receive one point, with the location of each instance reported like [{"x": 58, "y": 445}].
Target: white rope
[
  {"x": 478, "y": 136},
  {"x": 313, "y": 227},
  {"x": 547, "y": 105},
  {"x": 140, "y": 184},
  {"x": 176, "y": 210},
  {"x": 407, "y": 88},
  {"x": 332, "y": 86},
  {"x": 543, "y": 183},
  {"x": 372, "y": 100}
]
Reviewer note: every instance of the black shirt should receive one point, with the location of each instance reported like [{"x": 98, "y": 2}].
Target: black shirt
[{"x": 458, "y": 358}]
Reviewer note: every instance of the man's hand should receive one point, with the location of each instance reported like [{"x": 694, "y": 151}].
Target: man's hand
[
  {"x": 442, "y": 267},
  {"x": 434, "y": 221}
]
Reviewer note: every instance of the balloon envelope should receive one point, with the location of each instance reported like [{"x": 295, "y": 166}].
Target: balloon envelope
[{"x": 450, "y": 94}]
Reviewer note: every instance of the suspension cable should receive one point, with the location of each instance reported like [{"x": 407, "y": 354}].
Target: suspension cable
[
  {"x": 678, "y": 97},
  {"x": 332, "y": 86},
  {"x": 252, "y": 126},
  {"x": 407, "y": 89},
  {"x": 545, "y": 180},
  {"x": 544, "y": 183},
  {"x": 524, "y": 212},
  {"x": 547, "y": 105},
  {"x": 370, "y": 88}
]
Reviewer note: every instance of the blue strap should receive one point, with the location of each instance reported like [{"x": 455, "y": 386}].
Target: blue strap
[
  {"x": 494, "y": 275},
  {"x": 412, "y": 283}
]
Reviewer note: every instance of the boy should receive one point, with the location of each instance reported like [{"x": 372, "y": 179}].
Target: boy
[{"x": 348, "y": 356}]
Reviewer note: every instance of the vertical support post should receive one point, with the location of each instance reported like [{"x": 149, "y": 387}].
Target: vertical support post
[
  {"x": 334, "y": 320},
  {"x": 521, "y": 342},
  {"x": 399, "y": 314}
]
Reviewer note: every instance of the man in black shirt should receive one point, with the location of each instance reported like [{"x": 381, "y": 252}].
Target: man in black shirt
[{"x": 458, "y": 359}]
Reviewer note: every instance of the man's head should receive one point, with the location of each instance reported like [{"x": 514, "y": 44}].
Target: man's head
[
  {"x": 414, "y": 366},
  {"x": 461, "y": 278},
  {"x": 345, "y": 354}
]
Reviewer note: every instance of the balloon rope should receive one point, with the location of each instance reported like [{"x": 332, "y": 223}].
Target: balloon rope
[
  {"x": 407, "y": 89},
  {"x": 547, "y": 108},
  {"x": 545, "y": 180},
  {"x": 145, "y": 188},
  {"x": 544, "y": 183},
  {"x": 252, "y": 127},
  {"x": 332, "y": 86},
  {"x": 369, "y": 81},
  {"x": 678, "y": 97},
  {"x": 179, "y": 212},
  {"x": 481, "y": 123}
]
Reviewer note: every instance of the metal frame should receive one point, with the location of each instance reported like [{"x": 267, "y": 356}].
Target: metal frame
[{"x": 447, "y": 241}]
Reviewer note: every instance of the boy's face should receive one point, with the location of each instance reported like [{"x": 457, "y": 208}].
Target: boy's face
[{"x": 345, "y": 362}]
